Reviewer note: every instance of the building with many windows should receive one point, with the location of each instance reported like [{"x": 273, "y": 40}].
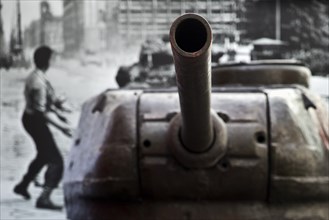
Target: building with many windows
[
  {"x": 154, "y": 17},
  {"x": 84, "y": 25},
  {"x": 97, "y": 25},
  {"x": 72, "y": 25}
]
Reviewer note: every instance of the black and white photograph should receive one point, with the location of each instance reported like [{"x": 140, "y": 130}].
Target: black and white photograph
[{"x": 164, "y": 109}]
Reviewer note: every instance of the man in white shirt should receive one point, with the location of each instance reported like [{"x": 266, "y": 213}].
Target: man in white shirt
[{"x": 40, "y": 102}]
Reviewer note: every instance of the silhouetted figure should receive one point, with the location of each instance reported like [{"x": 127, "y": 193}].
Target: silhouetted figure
[{"x": 40, "y": 102}]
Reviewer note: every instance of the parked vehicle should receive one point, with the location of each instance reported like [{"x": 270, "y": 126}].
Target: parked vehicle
[{"x": 266, "y": 48}]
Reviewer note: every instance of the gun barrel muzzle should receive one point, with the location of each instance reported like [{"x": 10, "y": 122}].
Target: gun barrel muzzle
[{"x": 191, "y": 39}]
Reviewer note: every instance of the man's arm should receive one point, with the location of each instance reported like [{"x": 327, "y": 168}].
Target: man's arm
[
  {"x": 61, "y": 126},
  {"x": 39, "y": 97}
]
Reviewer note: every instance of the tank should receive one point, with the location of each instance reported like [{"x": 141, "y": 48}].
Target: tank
[
  {"x": 225, "y": 144},
  {"x": 155, "y": 67}
]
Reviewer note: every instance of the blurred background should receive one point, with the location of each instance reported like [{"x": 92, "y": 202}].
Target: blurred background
[
  {"x": 101, "y": 44},
  {"x": 98, "y": 31}
]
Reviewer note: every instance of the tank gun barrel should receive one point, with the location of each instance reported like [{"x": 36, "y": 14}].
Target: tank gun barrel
[{"x": 191, "y": 40}]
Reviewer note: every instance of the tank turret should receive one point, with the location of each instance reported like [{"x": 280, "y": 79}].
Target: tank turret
[{"x": 244, "y": 149}]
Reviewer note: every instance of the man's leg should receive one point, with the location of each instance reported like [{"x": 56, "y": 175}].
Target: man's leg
[
  {"x": 33, "y": 169},
  {"x": 53, "y": 174},
  {"x": 35, "y": 127}
]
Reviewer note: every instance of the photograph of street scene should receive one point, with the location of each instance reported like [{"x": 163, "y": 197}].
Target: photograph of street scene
[{"x": 89, "y": 105}]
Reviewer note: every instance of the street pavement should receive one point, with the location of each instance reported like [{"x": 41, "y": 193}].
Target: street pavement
[{"x": 15, "y": 207}]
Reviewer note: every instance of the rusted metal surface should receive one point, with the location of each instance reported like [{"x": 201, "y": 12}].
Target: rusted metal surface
[
  {"x": 162, "y": 176},
  {"x": 103, "y": 157},
  {"x": 282, "y": 163},
  {"x": 261, "y": 73},
  {"x": 300, "y": 160},
  {"x": 283, "y": 160},
  {"x": 190, "y": 38},
  {"x": 197, "y": 210}
]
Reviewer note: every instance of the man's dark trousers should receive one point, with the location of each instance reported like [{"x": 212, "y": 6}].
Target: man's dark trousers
[{"x": 47, "y": 151}]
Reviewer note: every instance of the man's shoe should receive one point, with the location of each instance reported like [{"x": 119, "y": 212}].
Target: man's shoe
[
  {"x": 21, "y": 190},
  {"x": 46, "y": 203}
]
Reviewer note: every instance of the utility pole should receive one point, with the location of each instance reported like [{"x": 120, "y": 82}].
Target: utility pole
[
  {"x": 1, "y": 27},
  {"x": 17, "y": 53},
  {"x": 2, "y": 36},
  {"x": 278, "y": 20},
  {"x": 19, "y": 25},
  {"x": 17, "y": 46},
  {"x": 43, "y": 17}
]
